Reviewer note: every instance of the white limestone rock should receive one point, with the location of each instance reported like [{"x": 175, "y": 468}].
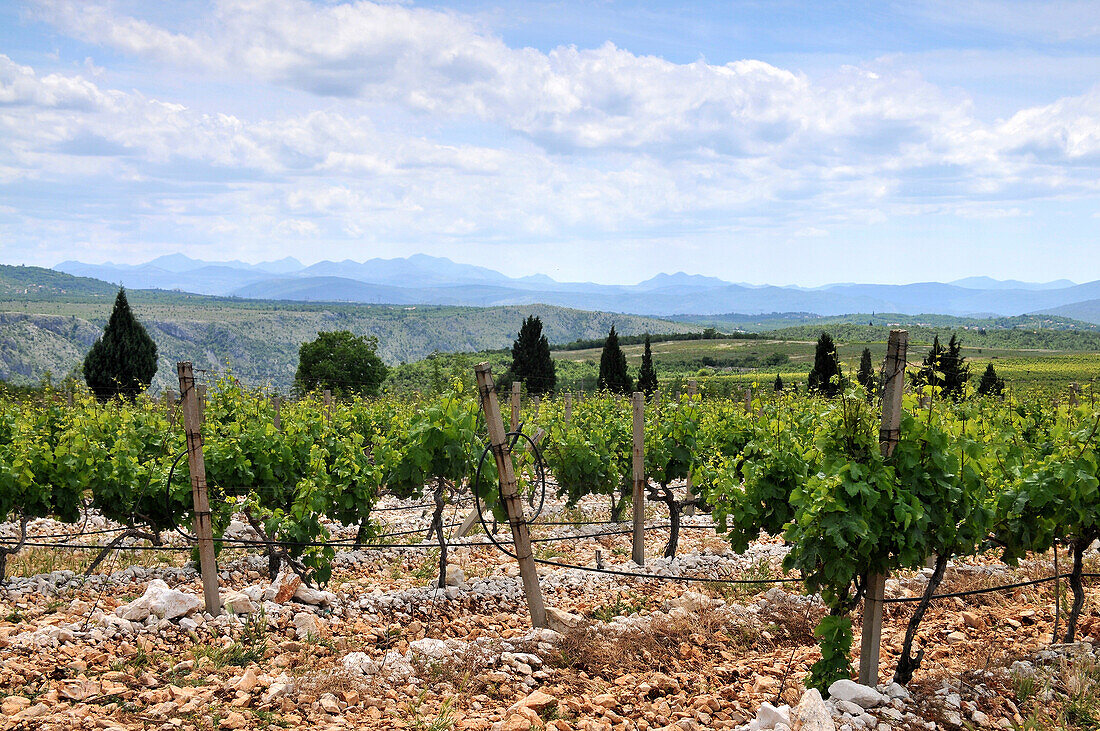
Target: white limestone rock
[
  {"x": 160, "y": 601},
  {"x": 862, "y": 695}
]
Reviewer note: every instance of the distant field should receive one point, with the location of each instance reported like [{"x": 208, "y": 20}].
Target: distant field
[{"x": 679, "y": 361}]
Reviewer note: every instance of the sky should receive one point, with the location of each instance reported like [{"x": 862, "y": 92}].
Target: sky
[{"x": 590, "y": 140}]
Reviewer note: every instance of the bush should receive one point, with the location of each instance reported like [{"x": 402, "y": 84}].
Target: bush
[{"x": 341, "y": 362}]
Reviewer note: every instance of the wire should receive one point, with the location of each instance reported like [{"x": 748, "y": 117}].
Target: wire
[
  {"x": 974, "y": 592},
  {"x": 640, "y": 575}
]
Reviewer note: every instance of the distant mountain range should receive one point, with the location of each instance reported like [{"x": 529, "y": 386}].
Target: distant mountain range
[{"x": 427, "y": 280}]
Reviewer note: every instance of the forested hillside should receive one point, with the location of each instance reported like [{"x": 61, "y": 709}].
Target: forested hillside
[{"x": 260, "y": 339}]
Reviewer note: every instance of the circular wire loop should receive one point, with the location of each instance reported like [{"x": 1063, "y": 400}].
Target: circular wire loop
[{"x": 540, "y": 475}]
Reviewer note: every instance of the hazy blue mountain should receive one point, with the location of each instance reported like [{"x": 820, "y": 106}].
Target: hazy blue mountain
[
  {"x": 417, "y": 270},
  {"x": 682, "y": 281},
  {"x": 990, "y": 283},
  {"x": 215, "y": 279},
  {"x": 422, "y": 279}
]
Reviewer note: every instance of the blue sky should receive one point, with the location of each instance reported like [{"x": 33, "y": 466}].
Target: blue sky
[{"x": 769, "y": 142}]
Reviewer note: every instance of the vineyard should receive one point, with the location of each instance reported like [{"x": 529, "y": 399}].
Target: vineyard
[{"x": 703, "y": 560}]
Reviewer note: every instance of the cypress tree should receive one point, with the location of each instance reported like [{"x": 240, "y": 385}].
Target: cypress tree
[
  {"x": 866, "y": 374},
  {"x": 991, "y": 384},
  {"x": 531, "y": 361},
  {"x": 825, "y": 376},
  {"x": 778, "y": 383},
  {"x": 945, "y": 368},
  {"x": 123, "y": 361},
  {"x": 647, "y": 376},
  {"x": 614, "y": 376},
  {"x": 955, "y": 371}
]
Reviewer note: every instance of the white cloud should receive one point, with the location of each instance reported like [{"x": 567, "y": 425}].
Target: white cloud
[
  {"x": 1067, "y": 131},
  {"x": 20, "y": 86},
  {"x": 573, "y": 142},
  {"x": 569, "y": 99},
  {"x": 99, "y": 24}
]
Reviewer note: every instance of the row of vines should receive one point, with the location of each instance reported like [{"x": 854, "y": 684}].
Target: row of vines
[{"x": 1014, "y": 477}]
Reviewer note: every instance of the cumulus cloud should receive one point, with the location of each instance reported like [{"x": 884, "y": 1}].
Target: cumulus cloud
[
  {"x": 1067, "y": 131},
  {"x": 569, "y": 99},
  {"x": 571, "y": 141}
]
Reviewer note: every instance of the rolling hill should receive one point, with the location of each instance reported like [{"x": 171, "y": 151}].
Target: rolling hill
[{"x": 51, "y": 330}]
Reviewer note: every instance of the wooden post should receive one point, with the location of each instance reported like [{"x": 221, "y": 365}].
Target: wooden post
[
  {"x": 277, "y": 402},
  {"x": 1072, "y": 395},
  {"x": 512, "y": 503},
  {"x": 327, "y": 396},
  {"x": 888, "y": 435},
  {"x": 568, "y": 407},
  {"x": 693, "y": 388},
  {"x": 748, "y": 400},
  {"x": 69, "y": 398},
  {"x": 515, "y": 405},
  {"x": 192, "y": 421},
  {"x": 639, "y": 478}
]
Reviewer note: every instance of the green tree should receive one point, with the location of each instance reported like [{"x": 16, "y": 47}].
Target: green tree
[
  {"x": 945, "y": 368},
  {"x": 991, "y": 384},
  {"x": 344, "y": 363},
  {"x": 778, "y": 383},
  {"x": 931, "y": 370},
  {"x": 123, "y": 361},
  {"x": 825, "y": 376},
  {"x": 647, "y": 376},
  {"x": 866, "y": 374},
  {"x": 956, "y": 371},
  {"x": 531, "y": 361},
  {"x": 614, "y": 376}
]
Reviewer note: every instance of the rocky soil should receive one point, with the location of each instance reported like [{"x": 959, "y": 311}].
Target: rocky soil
[{"x": 382, "y": 648}]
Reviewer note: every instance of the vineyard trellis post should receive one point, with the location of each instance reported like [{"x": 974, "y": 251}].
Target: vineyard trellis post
[
  {"x": 192, "y": 421},
  {"x": 568, "y": 407},
  {"x": 277, "y": 403},
  {"x": 169, "y": 405},
  {"x": 521, "y": 536},
  {"x": 327, "y": 396},
  {"x": 638, "y": 460},
  {"x": 515, "y": 405},
  {"x": 889, "y": 434}
]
